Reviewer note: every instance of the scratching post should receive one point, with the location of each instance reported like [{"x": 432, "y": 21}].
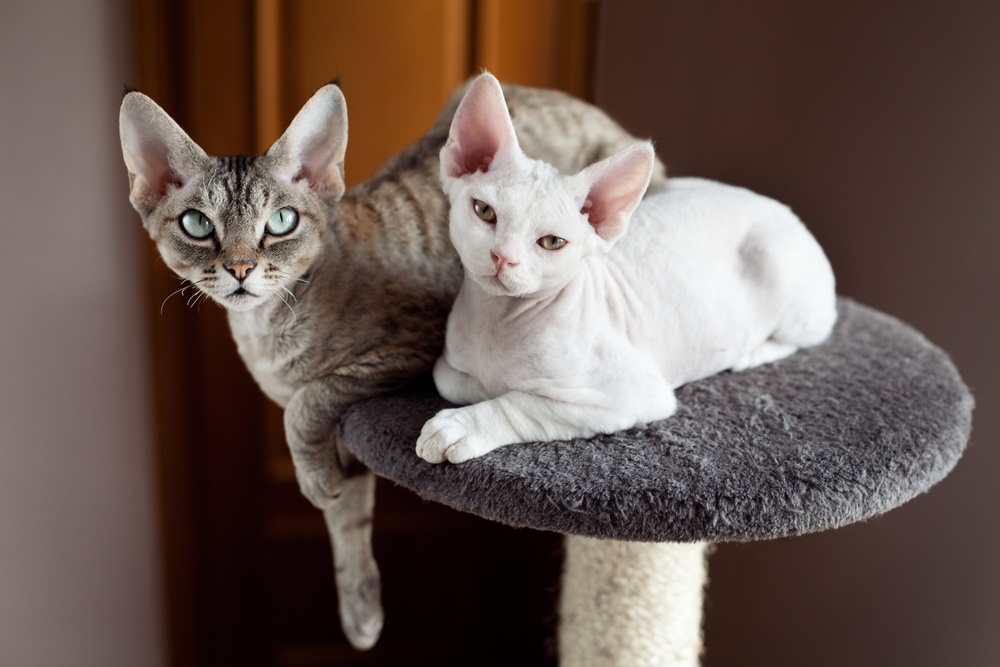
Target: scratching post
[
  {"x": 831, "y": 435},
  {"x": 631, "y": 604}
]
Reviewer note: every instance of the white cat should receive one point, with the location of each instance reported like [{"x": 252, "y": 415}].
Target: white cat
[{"x": 566, "y": 326}]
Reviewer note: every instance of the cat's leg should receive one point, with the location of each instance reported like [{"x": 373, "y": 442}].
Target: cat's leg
[
  {"x": 359, "y": 588},
  {"x": 336, "y": 482},
  {"x": 790, "y": 280},
  {"x": 311, "y": 418},
  {"x": 765, "y": 353},
  {"x": 456, "y": 386},
  {"x": 460, "y": 434},
  {"x": 793, "y": 275}
]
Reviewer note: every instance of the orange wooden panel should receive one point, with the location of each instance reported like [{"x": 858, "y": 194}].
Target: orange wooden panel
[
  {"x": 398, "y": 61},
  {"x": 267, "y": 73},
  {"x": 544, "y": 43},
  {"x": 216, "y": 68}
]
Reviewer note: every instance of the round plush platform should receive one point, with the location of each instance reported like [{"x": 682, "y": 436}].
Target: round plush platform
[{"x": 829, "y": 436}]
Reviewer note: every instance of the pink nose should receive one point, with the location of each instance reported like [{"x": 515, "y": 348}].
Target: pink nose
[
  {"x": 501, "y": 261},
  {"x": 240, "y": 268}
]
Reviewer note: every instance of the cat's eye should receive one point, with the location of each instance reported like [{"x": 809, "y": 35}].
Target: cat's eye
[
  {"x": 196, "y": 224},
  {"x": 282, "y": 221},
  {"x": 551, "y": 242},
  {"x": 484, "y": 211}
]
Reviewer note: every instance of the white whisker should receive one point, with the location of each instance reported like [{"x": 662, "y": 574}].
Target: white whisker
[
  {"x": 180, "y": 291},
  {"x": 288, "y": 305},
  {"x": 195, "y": 298}
]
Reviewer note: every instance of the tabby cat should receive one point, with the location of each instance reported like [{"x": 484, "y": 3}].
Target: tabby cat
[{"x": 331, "y": 297}]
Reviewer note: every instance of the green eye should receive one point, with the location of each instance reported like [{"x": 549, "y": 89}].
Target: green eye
[
  {"x": 551, "y": 242},
  {"x": 196, "y": 224},
  {"x": 282, "y": 221},
  {"x": 484, "y": 211}
]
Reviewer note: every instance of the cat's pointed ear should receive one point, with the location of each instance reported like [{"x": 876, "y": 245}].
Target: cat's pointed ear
[
  {"x": 482, "y": 135},
  {"x": 312, "y": 149},
  {"x": 614, "y": 187},
  {"x": 159, "y": 155}
]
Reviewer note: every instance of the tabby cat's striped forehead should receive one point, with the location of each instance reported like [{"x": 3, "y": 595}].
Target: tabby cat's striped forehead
[{"x": 239, "y": 183}]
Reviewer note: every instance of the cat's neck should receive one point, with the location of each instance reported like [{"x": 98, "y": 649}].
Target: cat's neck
[
  {"x": 598, "y": 285},
  {"x": 508, "y": 307},
  {"x": 499, "y": 308}
]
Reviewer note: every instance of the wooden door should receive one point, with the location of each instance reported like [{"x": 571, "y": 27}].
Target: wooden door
[{"x": 247, "y": 567}]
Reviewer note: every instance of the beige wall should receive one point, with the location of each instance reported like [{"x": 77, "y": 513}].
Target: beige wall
[
  {"x": 79, "y": 578},
  {"x": 879, "y": 123}
]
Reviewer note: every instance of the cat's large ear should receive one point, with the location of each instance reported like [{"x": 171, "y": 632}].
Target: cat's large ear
[
  {"x": 312, "y": 149},
  {"x": 159, "y": 155},
  {"x": 614, "y": 187},
  {"x": 482, "y": 135}
]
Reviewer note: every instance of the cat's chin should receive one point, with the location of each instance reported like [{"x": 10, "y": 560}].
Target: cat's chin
[
  {"x": 241, "y": 301},
  {"x": 495, "y": 286}
]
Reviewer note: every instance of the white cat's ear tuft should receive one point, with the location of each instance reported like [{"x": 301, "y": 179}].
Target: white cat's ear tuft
[
  {"x": 614, "y": 187},
  {"x": 482, "y": 135},
  {"x": 313, "y": 147},
  {"x": 159, "y": 155}
]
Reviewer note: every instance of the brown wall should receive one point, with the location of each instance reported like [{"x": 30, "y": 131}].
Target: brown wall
[{"x": 879, "y": 123}]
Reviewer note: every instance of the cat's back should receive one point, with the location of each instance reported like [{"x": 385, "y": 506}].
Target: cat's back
[
  {"x": 703, "y": 206},
  {"x": 715, "y": 266},
  {"x": 698, "y": 224},
  {"x": 694, "y": 242}
]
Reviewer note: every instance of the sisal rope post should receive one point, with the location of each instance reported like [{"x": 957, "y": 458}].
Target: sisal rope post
[{"x": 631, "y": 604}]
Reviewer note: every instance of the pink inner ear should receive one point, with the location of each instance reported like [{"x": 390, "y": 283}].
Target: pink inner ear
[
  {"x": 475, "y": 142},
  {"x": 158, "y": 173},
  {"x": 478, "y": 161},
  {"x": 480, "y": 130},
  {"x": 603, "y": 208},
  {"x": 618, "y": 184},
  {"x": 172, "y": 178},
  {"x": 604, "y": 204}
]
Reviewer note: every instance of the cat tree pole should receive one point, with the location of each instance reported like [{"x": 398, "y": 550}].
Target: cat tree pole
[
  {"x": 832, "y": 435},
  {"x": 632, "y": 604}
]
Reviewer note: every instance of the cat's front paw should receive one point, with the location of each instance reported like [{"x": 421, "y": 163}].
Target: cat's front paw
[{"x": 450, "y": 436}]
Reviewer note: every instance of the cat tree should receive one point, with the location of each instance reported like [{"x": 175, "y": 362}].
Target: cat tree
[{"x": 832, "y": 435}]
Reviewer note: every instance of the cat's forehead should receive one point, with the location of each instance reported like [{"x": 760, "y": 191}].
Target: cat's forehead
[
  {"x": 237, "y": 181},
  {"x": 535, "y": 175},
  {"x": 528, "y": 183}
]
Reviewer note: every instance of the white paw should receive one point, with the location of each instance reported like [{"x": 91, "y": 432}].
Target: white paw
[{"x": 450, "y": 436}]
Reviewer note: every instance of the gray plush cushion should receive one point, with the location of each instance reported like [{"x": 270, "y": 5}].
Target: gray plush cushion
[{"x": 829, "y": 436}]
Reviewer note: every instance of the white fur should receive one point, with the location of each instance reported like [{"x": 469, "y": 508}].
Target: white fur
[{"x": 594, "y": 337}]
